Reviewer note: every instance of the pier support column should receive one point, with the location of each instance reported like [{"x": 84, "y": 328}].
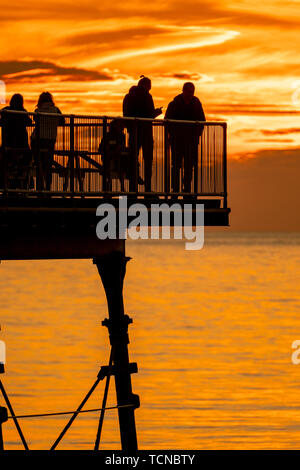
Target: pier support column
[
  {"x": 3, "y": 419},
  {"x": 112, "y": 268}
]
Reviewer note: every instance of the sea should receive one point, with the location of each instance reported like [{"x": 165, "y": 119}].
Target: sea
[{"x": 214, "y": 335}]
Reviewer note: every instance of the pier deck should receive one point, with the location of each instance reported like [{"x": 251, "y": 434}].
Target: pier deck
[{"x": 53, "y": 215}]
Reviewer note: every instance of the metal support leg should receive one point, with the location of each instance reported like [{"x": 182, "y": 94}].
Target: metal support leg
[
  {"x": 19, "y": 430},
  {"x": 112, "y": 270},
  {"x": 3, "y": 419}
]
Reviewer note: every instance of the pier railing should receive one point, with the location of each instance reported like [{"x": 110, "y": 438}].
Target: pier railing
[{"x": 68, "y": 155}]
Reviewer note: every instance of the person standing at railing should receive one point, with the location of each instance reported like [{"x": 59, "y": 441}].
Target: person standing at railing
[
  {"x": 43, "y": 138},
  {"x": 115, "y": 154},
  {"x": 184, "y": 138},
  {"x": 16, "y": 156},
  {"x": 139, "y": 103}
]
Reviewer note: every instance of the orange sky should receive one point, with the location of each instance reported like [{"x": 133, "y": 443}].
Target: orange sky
[{"x": 242, "y": 56}]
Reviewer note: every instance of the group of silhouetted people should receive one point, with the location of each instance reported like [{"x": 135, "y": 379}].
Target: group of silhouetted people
[
  {"x": 184, "y": 138},
  {"x": 117, "y": 157},
  {"x": 17, "y": 156}
]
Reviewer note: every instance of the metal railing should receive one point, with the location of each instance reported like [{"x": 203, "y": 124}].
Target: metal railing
[{"x": 95, "y": 155}]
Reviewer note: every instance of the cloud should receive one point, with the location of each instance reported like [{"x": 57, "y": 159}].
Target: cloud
[
  {"x": 270, "y": 132},
  {"x": 183, "y": 75},
  {"x": 187, "y": 12},
  {"x": 197, "y": 38},
  {"x": 246, "y": 109},
  {"x": 280, "y": 141},
  {"x": 292, "y": 130},
  {"x": 118, "y": 35},
  {"x": 16, "y": 71},
  {"x": 284, "y": 67}
]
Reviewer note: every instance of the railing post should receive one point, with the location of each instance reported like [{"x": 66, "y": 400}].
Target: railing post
[
  {"x": 225, "y": 163},
  {"x": 201, "y": 161},
  {"x": 71, "y": 162},
  {"x": 136, "y": 156},
  {"x": 166, "y": 159},
  {"x": 196, "y": 166},
  {"x": 104, "y": 155},
  {"x": 37, "y": 151}
]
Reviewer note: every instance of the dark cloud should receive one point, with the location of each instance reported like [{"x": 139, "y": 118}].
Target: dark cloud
[
  {"x": 12, "y": 71},
  {"x": 187, "y": 12},
  {"x": 117, "y": 35},
  {"x": 182, "y": 75}
]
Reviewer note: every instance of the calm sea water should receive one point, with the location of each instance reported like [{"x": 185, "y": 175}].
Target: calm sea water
[{"x": 212, "y": 337}]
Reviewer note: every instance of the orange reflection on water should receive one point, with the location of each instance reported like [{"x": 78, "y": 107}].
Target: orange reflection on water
[{"x": 212, "y": 337}]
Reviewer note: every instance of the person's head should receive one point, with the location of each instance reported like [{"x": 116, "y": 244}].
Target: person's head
[
  {"x": 145, "y": 82},
  {"x": 188, "y": 91},
  {"x": 16, "y": 101},
  {"x": 45, "y": 97}
]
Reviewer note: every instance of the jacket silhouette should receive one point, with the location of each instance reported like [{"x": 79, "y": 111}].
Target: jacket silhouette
[
  {"x": 15, "y": 154},
  {"x": 115, "y": 154},
  {"x": 139, "y": 103},
  {"x": 14, "y": 127},
  {"x": 184, "y": 138},
  {"x": 44, "y": 137},
  {"x": 180, "y": 110},
  {"x": 48, "y": 124}
]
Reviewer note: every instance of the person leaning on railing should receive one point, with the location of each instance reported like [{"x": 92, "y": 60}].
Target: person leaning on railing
[
  {"x": 44, "y": 137},
  {"x": 184, "y": 138},
  {"x": 16, "y": 157}
]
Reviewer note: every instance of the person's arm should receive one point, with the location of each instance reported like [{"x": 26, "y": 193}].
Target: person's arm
[
  {"x": 170, "y": 111},
  {"x": 169, "y": 115},
  {"x": 28, "y": 120},
  {"x": 152, "y": 112},
  {"x": 199, "y": 111},
  {"x": 125, "y": 106},
  {"x": 202, "y": 114},
  {"x": 3, "y": 116},
  {"x": 200, "y": 117},
  {"x": 149, "y": 105},
  {"x": 158, "y": 112},
  {"x": 34, "y": 117},
  {"x": 61, "y": 118}
]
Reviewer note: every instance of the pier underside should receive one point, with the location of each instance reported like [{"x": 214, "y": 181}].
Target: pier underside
[{"x": 65, "y": 228}]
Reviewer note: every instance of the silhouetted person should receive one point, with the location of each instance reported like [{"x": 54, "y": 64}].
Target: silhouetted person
[
  {"x": 115, "y": 154},
  {"x": 139, "y": 103},
  {"x": 15, "y": 151},
  {"x": 184, "y": 139},
  {"x": 44, "y": 137}
]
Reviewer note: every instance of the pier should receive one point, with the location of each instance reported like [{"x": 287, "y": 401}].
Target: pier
[{"x": 49, "y": 212}]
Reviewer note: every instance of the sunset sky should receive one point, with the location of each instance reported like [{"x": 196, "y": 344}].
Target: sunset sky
[{"x": 242, "y": 56}]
